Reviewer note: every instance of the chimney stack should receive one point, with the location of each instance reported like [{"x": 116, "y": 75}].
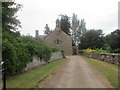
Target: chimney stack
[{"x": 36, "y": 33}]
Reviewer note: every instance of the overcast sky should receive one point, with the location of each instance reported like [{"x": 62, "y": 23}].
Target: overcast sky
[{"x": 98, "y": 14}]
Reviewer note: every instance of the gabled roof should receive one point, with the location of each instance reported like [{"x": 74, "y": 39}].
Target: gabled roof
[
  {"x": 42, "y": 37},
  {"x": 58, "y": 31}
]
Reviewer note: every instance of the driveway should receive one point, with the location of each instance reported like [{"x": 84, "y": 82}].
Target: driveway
[{"x": 76, "y": 73}]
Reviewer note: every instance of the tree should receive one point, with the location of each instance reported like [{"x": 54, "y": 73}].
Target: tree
[
  {"x": 113, "y": 40},
  {"x": 17, "y": 50},
  {"x": 10, "y": 22},
  {"x": 78, "y": 29},
  {"x": 65, "y": 24},
  {"x": 81, "y": 30},
  {"x": 92, "y": 39},
  {"x": 74, "y": 27},
  {"x": 47, "y": 30}
]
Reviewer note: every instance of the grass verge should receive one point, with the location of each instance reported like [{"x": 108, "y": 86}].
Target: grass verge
[
  {"x": 110, "y": 71},
  {"x": 32, "y": 78}
]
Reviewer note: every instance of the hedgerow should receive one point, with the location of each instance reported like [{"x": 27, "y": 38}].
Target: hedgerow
[{"x": 18, "y": 52}]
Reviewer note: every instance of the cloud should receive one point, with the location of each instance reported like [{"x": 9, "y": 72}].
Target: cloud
[{"x": 97, "y": 13}]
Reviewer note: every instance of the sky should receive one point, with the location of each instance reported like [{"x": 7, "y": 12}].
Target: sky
[{"x": 98, "y": 14}]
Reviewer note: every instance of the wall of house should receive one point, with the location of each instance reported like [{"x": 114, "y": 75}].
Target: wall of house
[
  {"x": 107, "y": 57},
  {"x": 66, "y": 43},
  {"x": 37, "y": 62}
]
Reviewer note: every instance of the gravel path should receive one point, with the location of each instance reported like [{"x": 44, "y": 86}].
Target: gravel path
[{"x": 76, "y": 73}]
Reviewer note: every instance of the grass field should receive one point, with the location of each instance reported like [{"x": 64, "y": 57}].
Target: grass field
[
  {"x": 110, "y": 71},
  {"x": 32, "y": 78}
]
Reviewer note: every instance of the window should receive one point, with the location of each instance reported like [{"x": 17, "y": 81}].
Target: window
[
  {"x": 54, "y": 42},
  {"x": 58, "y": 42}
]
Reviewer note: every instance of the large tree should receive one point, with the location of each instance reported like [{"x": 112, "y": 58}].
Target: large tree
[
  {"x": 92, "y": 39},
  {"x": 65, "y": 23},
  {"x": 113, "y": 40},
  {"x": 78, "y": 29},
  {"x": 10, "y": 23},
  {"x": 74, "y": 27},
  {"x": 81, "y": 30}
]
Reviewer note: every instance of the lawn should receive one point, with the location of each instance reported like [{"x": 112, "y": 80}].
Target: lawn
[
  {"x": 32, "y": 78},
  {"x": 110, "y": 71}
]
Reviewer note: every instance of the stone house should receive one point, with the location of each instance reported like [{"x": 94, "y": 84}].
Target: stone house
[{"x": 58, "y": 38}]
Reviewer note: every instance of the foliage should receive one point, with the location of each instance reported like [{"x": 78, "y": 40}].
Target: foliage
[
  {"x": 26, "y": 39},
  {"x": 78, "y": 29},
  {"x": 17, "y": 52},
  {"x": 94, "y": 50},
  {"x": 86, "y": 50},
  {"x": 113, "y": 40},
  {"x": 102, "y": 50},
  {"x": 54, "y": 49},
  {"x": 23, "y": 56},
  {"x": 9, "y": 57},
  {"x": 36, "y": 47},
  {"x": 74, "y": 27},
  {"x": 81, "y": 31},
  {"x": 9, "y": 21},
  {"x": 81, "y": 52},
  {"x": 92, "y": 39},
  {"x": 47, "y": 30},
  {"x": 65, "y": 24},
  {"x": 32, "y": 78},
  {"x": 89, "y": 50},
  {"x": 62, "y": 51}
]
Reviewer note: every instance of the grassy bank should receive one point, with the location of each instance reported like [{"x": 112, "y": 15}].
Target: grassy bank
[
  {"x": 110, "y": 71},
  {"x": 32, "y": 78}
]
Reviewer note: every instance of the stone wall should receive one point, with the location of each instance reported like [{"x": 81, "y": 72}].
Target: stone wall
[
  {"x": 107, "y": 57},
  {"x": 37, "y": 62}
]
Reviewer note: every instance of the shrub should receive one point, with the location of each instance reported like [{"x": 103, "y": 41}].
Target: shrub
[
  {"x": 17, "y": 53},
  {"x": 89, "y": 50},
  {"x": 81, "y": 52},
  {"x": 54, "y": 49},
  {"x": 9, "y": 56},
  {"x": 63, "y": 55},
  {"x": 101, "y": 50}
]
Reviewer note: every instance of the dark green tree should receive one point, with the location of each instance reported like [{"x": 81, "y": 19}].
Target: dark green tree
[
  {"x": 92, "y": 39},
  {"x": 10, "y": 23},
  {"x": 113, "y": 40},
  {"x": 47, "y": 30},
  {"x": 65, "y": 23}
]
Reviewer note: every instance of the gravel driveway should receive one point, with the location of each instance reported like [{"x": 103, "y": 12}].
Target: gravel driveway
[{"x": 76, "y": 73}]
